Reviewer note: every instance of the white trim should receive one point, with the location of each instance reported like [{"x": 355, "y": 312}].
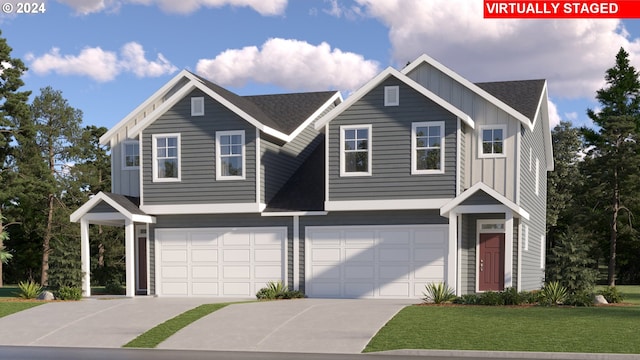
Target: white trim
[
  {"x": 459, "y": 136},
  {"x": 452, "y": 250},
  {"x": 519, "y": 266},
  {"x": 85, "y": 257},
  {"x": 458, "y": 240},
  {"x": 543, "y": 251},
  {"x": 83, "y": 211},
  {"x": 123, "y": 154},
  {"x": 197, "y": 106},
  {"x": 414, "y": 156},
  {"x": 258, "y": 165},
  {"x": 326, "y": 163},
  {"x": 455, "y": 203},
  {"x": 391, "y": 96},
  {"x": 343, "y": 171},
  {"x": 407, "y": 204},
  {"x": 216, "y": 208},
  {"x": 140, "y": 171},
  {"x": 469, "y": 85},
  {"x": 518, "y": 174},
  {"x": 388, "y": 72},
  {"x": 130, "y": 260},
  {"x": 508, "y": 249},
  {"x": 293, "y": 213},
  {"x": 479, "y": 231},
  {"x": 243, "y": 154},
  {"x": 481, "y": 153},
  {"x": 296, "y": 252},
  {"x": 138, "y": 235},
  {"x": 336, "y": 97},
  {"x": 154, "y": 157}
]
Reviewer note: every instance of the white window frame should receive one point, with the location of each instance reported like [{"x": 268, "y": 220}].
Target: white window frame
[
  {"x": 343, "y": 171},
  {"x": 481, "y": 153},
  {"x": 414, "y": 148},
  {"x": 124, "y": 154},
  {"x": 391, "y": 96},
  {"x": 197, "y": 106},
  {"x": 219, "y": 175},
  {"x": 154, "y": 147}
]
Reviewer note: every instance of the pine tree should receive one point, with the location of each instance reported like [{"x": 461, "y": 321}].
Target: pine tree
[
  {"x": 613, "y": 163},
  {"x": 570, "y": 264}
]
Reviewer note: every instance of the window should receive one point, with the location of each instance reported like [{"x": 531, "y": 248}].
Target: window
[
  {"x": 130, "y": 155},
  {"x": 391, "y": 96},
  {"x": 197, "y": 106},
  {"x": 427, "y": 147},
  {"x": 166, "y": 157},
  {"x": 492, "y": 141},
  {"x": 230, "y": 160},
  {"x": 355, "y": 150}
]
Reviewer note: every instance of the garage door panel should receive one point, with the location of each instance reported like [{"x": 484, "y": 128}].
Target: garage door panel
[
  {"x": 386, "y": 261},
  {"x": 219, "y": 261}
]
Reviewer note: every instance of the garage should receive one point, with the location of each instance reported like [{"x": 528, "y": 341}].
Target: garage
[
  {"x": 218, "y": 261},
  {"x": 374, "y": 261}
]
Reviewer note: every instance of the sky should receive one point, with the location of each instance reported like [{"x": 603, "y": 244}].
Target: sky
[{"x": 109, "y": 56}]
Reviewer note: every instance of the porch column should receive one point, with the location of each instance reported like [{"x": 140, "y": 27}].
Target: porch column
[
  {"x": 85, "y": 257},
  {"x": 508, "y": 248},
  {"x": 129, "y": 231},
  {"x": 452, "y": 253},
  {"x": 296, "y": 252}
]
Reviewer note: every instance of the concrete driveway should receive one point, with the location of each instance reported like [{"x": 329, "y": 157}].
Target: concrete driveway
[{"x": 303, "y": 325}]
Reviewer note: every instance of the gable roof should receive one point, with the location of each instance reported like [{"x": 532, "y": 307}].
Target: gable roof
[
  {"x": 125, "y": 205},
  {"x": 522, "y": 95},
  {"x": 278, "y": 120},
  {"x": 478, "y": 188},
  {"x": 387, "y": 73}
]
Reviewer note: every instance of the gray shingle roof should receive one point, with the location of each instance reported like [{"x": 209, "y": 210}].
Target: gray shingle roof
[
  {"x": 282, "y": 112},
  {"x": 522, "y": 95},
  {"x": 128, "y": 202}
]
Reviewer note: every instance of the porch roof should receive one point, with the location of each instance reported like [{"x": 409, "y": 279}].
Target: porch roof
[
  {"x": 479, "y": 187},
  {"x": 122, "y": 208}
]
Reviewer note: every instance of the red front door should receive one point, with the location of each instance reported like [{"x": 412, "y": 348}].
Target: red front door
[
  {"x": 142, "y": 265},
  {"x": 491, "y": 262}
]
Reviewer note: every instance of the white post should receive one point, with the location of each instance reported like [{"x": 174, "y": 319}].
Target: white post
[
  {"x": 452, "y": 253},
  {"x": 508, "y": 248},
  {"x": 85, "y": 257},
  {"x": 296, "y": 252},
  {"x": 130, "y": 257}
]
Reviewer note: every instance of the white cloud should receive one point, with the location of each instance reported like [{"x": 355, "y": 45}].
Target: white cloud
[
  {"x": 100, "y": 65},
  {"x": 263, "y": 7},
  {"x": 572, "y": 54},
  {"x": 291, "y": 64},
  {"x": 554, "y": 117}
]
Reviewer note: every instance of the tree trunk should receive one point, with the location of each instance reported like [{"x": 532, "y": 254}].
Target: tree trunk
[
  {"x": 1, "y": 247},
  {"x": 100, "y": 249},
  {"x": 46, "y": 248},
  {"x": 611, "y": 276}
]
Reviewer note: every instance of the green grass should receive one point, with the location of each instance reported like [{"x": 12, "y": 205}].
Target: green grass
[
  {"x": 10, "y": 307},
  {"x": 160, "y": 333},
  {"x": 631, "y": 293},
  {"x": 613, "y": 329}
]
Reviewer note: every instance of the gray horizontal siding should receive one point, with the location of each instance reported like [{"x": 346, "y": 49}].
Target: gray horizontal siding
[
  {"x": 198, "y": 183},
  {"x": 391, "y": 148},
  {"x": 103, "y": 207}
]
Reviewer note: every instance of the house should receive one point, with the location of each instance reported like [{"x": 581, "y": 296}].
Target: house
[{"x": 419, "y": 176}]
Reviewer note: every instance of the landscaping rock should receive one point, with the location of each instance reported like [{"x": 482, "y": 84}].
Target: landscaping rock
[
  {"x": 46, "y": 296},
  {"x": 600, "y": 300}
]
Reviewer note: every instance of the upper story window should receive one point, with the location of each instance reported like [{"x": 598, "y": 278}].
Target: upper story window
[
  {"x": 427, "y": 147},
  {"x": 230, "y": 158},
  {"x": 197, "y": 106},
  {"x": 130, "y": 155},
  {"x": 355, "y": 150},
  {"x": 166, "y": 157},
  {"x": 391, "y": 95},
  {"x": 491, "y": 141}
]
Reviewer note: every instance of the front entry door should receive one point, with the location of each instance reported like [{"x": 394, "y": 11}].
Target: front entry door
[
  {"x": 491, "y": 262},
  {"x": 141, "y": 268}
]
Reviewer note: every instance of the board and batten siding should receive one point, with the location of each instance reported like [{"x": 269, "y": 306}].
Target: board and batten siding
[
  {"x": 198, "y": 183},
  {"x": 233, "y": 221},
  {"x": 280, "y": 161},
  {"x": 123, "y": 181},
  {"x": 532, "y": 276},
  {"x": 498, "y": 173},
  {"x": 391, "y": 176}
]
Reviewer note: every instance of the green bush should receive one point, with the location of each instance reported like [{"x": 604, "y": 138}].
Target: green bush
[
  {"x": 570, "y": 264},
  {"x": 114, "y": 288},
  {"x": 69, "y": 293},
  {"x": 581, "y": 298},
  {"x": 467, "y": 299},
  {"x": 438, "y": 293},
  {"x": 29, "y": 289},
  {"x": 511, "y": 296},
  {"x": 277, "y": 290},
  {"x": 612, "y": 294},
  {"x": 553, "y": 294},
  {"x": 530, "y": 297},
  {"x": 491, "y": 298}
]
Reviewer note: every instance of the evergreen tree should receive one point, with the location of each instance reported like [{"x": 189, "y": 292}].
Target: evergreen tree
[
  {"x": 570, "y": 264},
  {"x": 13, "y": 104},
  {"x": 613, "y": 163}
]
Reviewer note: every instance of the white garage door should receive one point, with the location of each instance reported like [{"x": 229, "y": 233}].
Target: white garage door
[
  {"x": 218, "y": 261},
  {"x": 374, "y": 261}
]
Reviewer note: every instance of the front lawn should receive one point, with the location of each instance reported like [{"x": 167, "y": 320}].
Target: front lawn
[
  {"x": 10, "y": 307},
  {"x": 607, "y": 329}
]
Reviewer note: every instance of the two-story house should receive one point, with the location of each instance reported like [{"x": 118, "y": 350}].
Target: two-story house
[{"x": 419, "y": 176}]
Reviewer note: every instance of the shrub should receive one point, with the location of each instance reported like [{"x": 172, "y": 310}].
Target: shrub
[
  {"x": 491, "y": 298},
  {"x": 612, "y": 294},
  {"x": 511, "y": 296},
  {"x": 69, "y": 293},
  {"x": 553, "y": 294},
  {"x": 530, "y": 297},
  {"x": 438, "y": 293},
  {"x": 581, "y": 298},
  {"x": 467, "y": 299},
  {"x": 114, "y": 287},
  {"x": 29, "y": 289},
  {"x": 277, "y": 290}
]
